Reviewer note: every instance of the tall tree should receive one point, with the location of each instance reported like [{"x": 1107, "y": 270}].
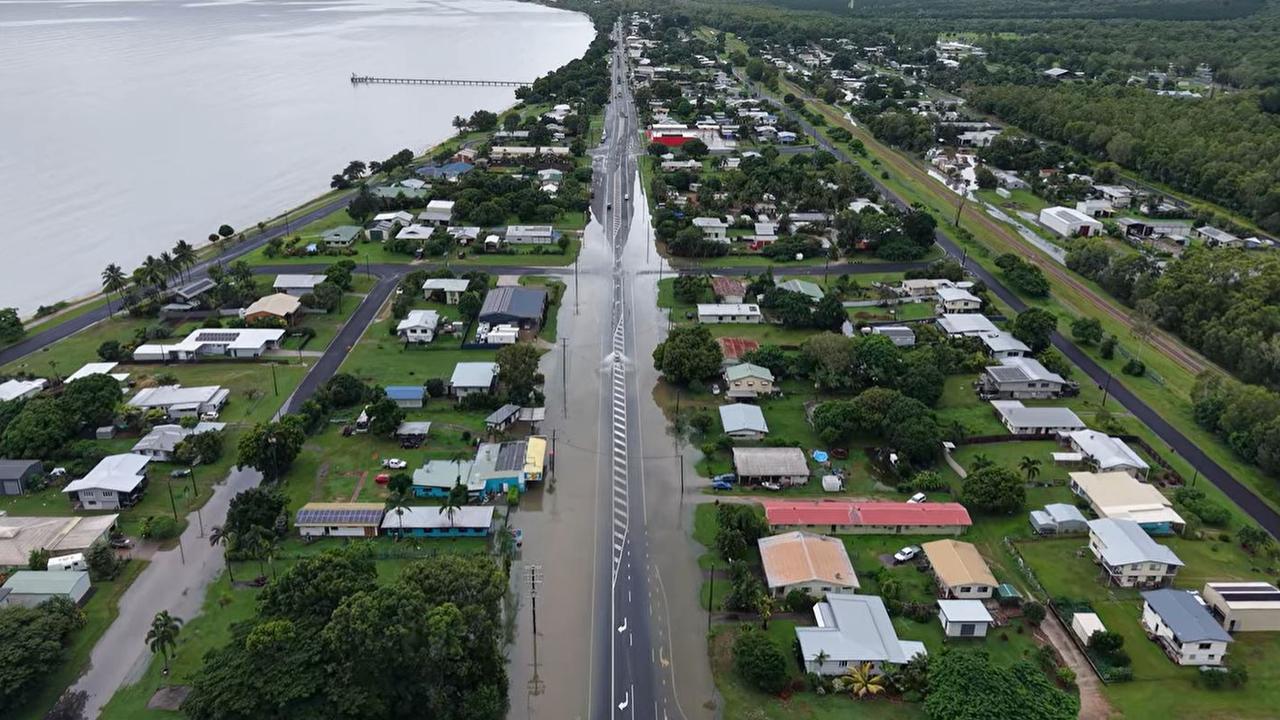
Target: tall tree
[
  {"x": 162, "y": 636},
  {"x": 114, "y": 281},
  {"x": 227, "y": 539}
]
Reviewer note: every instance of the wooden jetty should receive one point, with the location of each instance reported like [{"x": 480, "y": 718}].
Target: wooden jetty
[{"x": 372, "y": 80}]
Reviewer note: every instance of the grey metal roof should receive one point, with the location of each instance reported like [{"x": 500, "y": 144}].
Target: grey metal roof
[
  {"x": 1062, "y": 512},
  {"x": 518, "y": 302},
  {"x": 473, "y": 374},
  {"x": 502, "y": 414},
  {"x": 14, "y": 469},
  {"x": 404, "y": 392},
  {"x": 767, "y": 462},
  {"x": 739, "y": 417},
  {"x": 1185, "y": 616},
  {"x": 852, "y": 628},
  {"x": 414, "y": 427},
  {"x": 1124, "y": 542},
  {"x": 44, "y": 582}
]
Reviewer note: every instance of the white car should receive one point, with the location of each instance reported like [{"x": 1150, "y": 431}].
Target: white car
[
  {"x": 917, "y": 499},
  {"x": 906, "y": 554},
  {"x": 775, "y": 487},
  {"x": 394, "y": 464}
]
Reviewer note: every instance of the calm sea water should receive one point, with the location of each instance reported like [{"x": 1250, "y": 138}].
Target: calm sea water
[{"x": 127, "y": 124}]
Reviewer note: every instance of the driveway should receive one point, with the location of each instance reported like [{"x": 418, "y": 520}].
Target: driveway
[{"x": 1093, "y": 704}]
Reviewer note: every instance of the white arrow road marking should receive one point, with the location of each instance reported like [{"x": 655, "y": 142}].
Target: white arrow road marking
[
  {"x": 626, "y": 700},
  {"x": 623, "y": 626}
]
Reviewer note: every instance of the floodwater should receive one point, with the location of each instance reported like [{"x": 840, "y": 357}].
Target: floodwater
[{"x": 129, "y": 124}]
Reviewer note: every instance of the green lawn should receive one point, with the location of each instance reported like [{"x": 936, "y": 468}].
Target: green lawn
[
  {"x": 524, "y": 256},
  {"x": 1161, "y": 689},
  {"x": 100, "y": 611}
]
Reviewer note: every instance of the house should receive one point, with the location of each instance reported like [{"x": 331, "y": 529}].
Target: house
[
  {"x": 449, "y": 172},
  {"x": 29, "y": 588},
  {"x": 383, "y": 226},
  {"x": 1058, "y": 519},
  {"x": 851, "y": 630},
  {"x": 297, "y": 285},
  {"x": 473, "y": 377},
  {"x": 192, "y": 291},
  {"x": 783, "y": 465},
  {"x": 1119, "y": 495},
  {"x": 729, "y": 313},
  {"x": 1095, "y": 208},
  {"x": 868, "y": 518},
  {"x": 62, "y": 535},
  {"x": 1057, "y": 73},
  {"x": 16, "y": 475},
  {"x": 177, "y": 401},
  {"x": 416, "y": 232},
  {"x": 523, "y": 307},
  {"x": 97, "y": 368},
  {"x": 922, "y": 288},
  {"x": 502, "y": 418},
  {"x": 464, "y": 234},
  {"x": 1117, "y": 196},
  {"x": 899, "y": 335},
  {"x": 804, "y": 287},
  {"x": 1085, "y": 624},
  {"x": 406, "y": 396},
  {"x": 531, "y": 235},
  {"x": 964, "y": 618},
  {"x": 419, "y": 326},
  {"x": 496, "y": 468},
  {"x": 712, "y": 228},
  {"x": 21, "y": 389},
  {"x": 117, "y": 481},
  {"x": 434, "y": 521},
  {"x": 217, "y": 342},
  {"x": 1179, "y": 623},
  {"x": 1000, "y": 345},
  {"x": 1105, "y": 453},
  {"x": 743, "y": 422},
  {"x": 786, "y": 137},
  {"x": 1022, "y": 378},
  {"x": 438, "y": 213},
  {"x": 733, "y": 349},
  {"x": 277, "y": 306},
  {"x": 161, "y": 442},
  {"x": 346, "y": 519},
  {"x": 746, "y": 380},
  {"x": 1022, "y": 420},
  {"x": 451, "y": 288},
  {"x": 1069, "y": 222},
  {"x": 342, "y": 236},
  {"x": 966, "y": 325},
  {"x": 812, "y": 564},
  {"x": 392, "y": 192},
  {"x": 960, "y": 570},
  {"x": 1244, "y": 606},
  {"x": 728, "y": 290},
  {"x": 958, "y": 300},
  {"x": 551, "y": 175},
  {"x": 1128, "y": 554},
  {"x": 1214, "y": 237},
  {"x": 1148, "y": 227},
  {"x": 464, "y": 155}
]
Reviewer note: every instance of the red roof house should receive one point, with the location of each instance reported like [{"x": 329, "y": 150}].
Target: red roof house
[{"x": 868, "y": 517}]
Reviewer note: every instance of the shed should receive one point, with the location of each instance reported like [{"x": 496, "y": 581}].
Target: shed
[
  {"x": 831, "y": 483},
  {"x": 503, "y": 417},
  {"x": 964, "y": 618},
  {"x": 32, "y": 587},
  {"x": 1059, "y": 519},
  {"x": 406, "y": 396},
  {"x": 783, "y": 465},
  {"x": 414, "y": 431},
  {"x": 520, "y": 306},
  {"x": 743, "y": 422},
  {"x": 1007, "y": 594},
  {"x": 1244, "y": 606},
  {"x": 1085, "y": 624},
  {"x": 15, "y": 475}
]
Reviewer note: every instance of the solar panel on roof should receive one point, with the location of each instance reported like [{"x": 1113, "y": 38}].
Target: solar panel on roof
[
  {"x": 330, "y": 516},
  {"x": 1251, "y": 596}
]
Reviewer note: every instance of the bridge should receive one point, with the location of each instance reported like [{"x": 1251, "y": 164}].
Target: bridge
[{"x": 372, "y": 80}]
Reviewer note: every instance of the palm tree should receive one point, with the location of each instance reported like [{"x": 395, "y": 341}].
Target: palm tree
[
  {"x": 456, "y": 498},
  {"x": 114, "y": 281},
  {"x": 980, "y": 462},
  {"x": 227, "y": 539},
  {"x": 170, "y": 265},
  {"x": 861, "y": 681},
  {"x": 1030, "y": 466},
  {"x": 154, "y": 274},
  {"x": 185, "y": 254},
  {"x": 821, "y": 658},
  {"x": 254, "y": 544},
  {"x": 162, "y": 637},
  {"x": 396, "y": 500}
]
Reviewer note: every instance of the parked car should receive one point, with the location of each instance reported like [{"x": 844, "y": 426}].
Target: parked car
[
  {"x": 394, "y": 463},
  {"x": 517, "y": 535},
  {"x": 840, "y": 453},
  {"x": 120, "y": 542},
  {"x": 906, "y": 554},
  {"x": 721, "y": 485},
  {"x": 726, "y": 477},
  {"x": 771, "y": 486},
  {"x": 382, "y": 478},
  {"x": 917, "y": 498}
]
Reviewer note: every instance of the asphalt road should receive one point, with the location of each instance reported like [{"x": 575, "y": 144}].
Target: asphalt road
[
  {"x": 43, "y": 338},
  {"x": 1262, "y": 513}
]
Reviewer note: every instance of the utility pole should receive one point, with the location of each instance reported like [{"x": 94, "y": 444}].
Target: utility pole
[
  {"x": 960, "y": 208},
  {"x": 533, "y": 573},
  {"x": 711, "y": 595},
  {"x": 553, "y": 453},
  {"x": 274, "y": 385},
  {"x": 680, "y": 459},
  {"x": 575, "y": 281},
  {"x": 195, "y": 492},
  {"x": 1105, "y": 389},
  {"x": 564, "y": 376},
  {"x": 172, "y": 503}
]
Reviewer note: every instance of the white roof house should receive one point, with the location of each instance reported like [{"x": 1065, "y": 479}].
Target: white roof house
[
  {"x": 19, "y": 389},
  {"x": 297, "y": 284},
  {"x": 1124, "y": 542},
  {"x": 164, "y": 439},
  {"x": 415, "y": 232},
  {"x": 955, "y": 324},
  {"x": 419, "y": 324},
  {"x": 958, "y": 300},
  {"x": 1106, "y": 453},
  {"x": 438, "y": 212},
  {"x": 1069, "y": 222},
  {"x": 852, "y": 629},
  {"x": 1021, "y": 377},
  {"x": 1001, "y": 344},
  {"x": 473, "y": 375},
  {"x": 226, "y": 342},
  {"x": 175, "y": 399},
  {"x": 964, "y": 618},
  {"x": 1023, "y": 420},
  {"x": 476, "y": 518},
  {"x": 121, "y": 473},
  {"x": 97, "y": 368},
  {"x": 742, "y": 420},
  {"x": 729, "y": 313}
]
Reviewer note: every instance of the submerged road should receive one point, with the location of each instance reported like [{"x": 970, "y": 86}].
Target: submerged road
[{"x": 1255, "y": 507}]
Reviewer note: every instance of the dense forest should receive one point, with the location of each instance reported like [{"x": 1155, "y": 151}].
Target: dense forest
[
  {"x": 1225, "y": 149},
  {"x": 1100, "y": 9}
]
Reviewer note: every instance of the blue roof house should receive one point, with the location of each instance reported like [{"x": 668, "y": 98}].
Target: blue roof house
[
  {"x": 1181, "y": 625},
  {"x": 450, "y": 171},
  {"x": 406, "y": 396}
]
